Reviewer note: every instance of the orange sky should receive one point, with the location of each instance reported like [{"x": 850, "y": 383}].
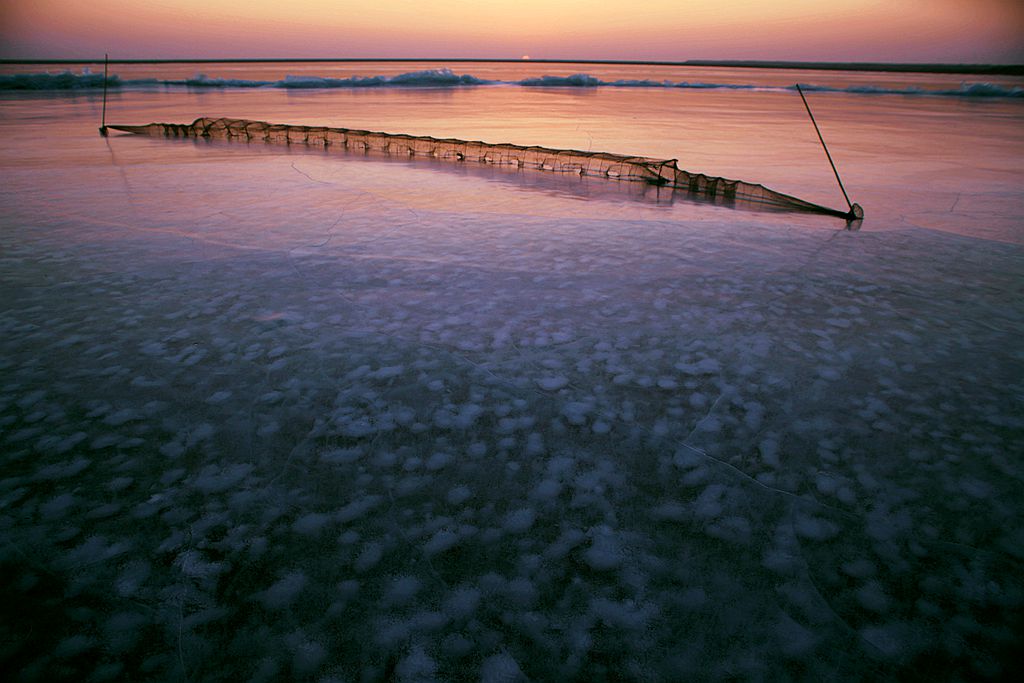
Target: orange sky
[{"x": 672, "y": 30}]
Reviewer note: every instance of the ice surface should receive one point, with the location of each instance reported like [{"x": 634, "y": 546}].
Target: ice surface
[{"x": 259, "y": 427}]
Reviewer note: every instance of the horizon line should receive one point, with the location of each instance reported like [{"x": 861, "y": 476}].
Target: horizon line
[{"x": 921, "y": 67}]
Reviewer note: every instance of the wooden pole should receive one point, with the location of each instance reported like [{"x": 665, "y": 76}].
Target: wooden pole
[
  {"x": 103, "y": 121},
  {"x": 853, "y": 211}
]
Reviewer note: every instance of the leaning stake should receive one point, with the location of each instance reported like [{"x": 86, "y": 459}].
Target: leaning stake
[
  {"x": 103, "y": 121},
  {"x": 856, "y": 212}
]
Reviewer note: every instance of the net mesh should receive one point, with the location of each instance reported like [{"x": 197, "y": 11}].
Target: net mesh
[{"x": 663, "y": 172}]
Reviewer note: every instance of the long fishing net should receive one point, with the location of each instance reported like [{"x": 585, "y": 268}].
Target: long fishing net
[{"x": 662, "y": 172}]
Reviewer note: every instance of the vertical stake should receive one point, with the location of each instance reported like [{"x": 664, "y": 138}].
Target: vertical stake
[
  {"x": 103, "y": 121},
  {"x": 853, "y": 211}
]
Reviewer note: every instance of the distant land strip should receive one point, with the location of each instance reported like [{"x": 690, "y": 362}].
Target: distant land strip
[{"x": 991, "y": 69}]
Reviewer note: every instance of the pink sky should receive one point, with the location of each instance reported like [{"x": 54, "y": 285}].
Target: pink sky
[{"x": 954, "y": 31}]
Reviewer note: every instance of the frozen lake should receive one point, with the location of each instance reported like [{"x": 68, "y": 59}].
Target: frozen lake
[{"x": 273, "y": 414}]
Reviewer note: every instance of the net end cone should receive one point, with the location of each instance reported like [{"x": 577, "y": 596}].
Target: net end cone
[{"x": 124, "y": 129}]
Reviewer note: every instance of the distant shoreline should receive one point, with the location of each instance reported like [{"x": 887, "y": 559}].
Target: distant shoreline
[{"x": 989, "y": 69}]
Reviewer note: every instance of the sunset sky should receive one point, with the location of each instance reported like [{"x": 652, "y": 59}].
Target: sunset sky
[{"x": 671, "y": 30}]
